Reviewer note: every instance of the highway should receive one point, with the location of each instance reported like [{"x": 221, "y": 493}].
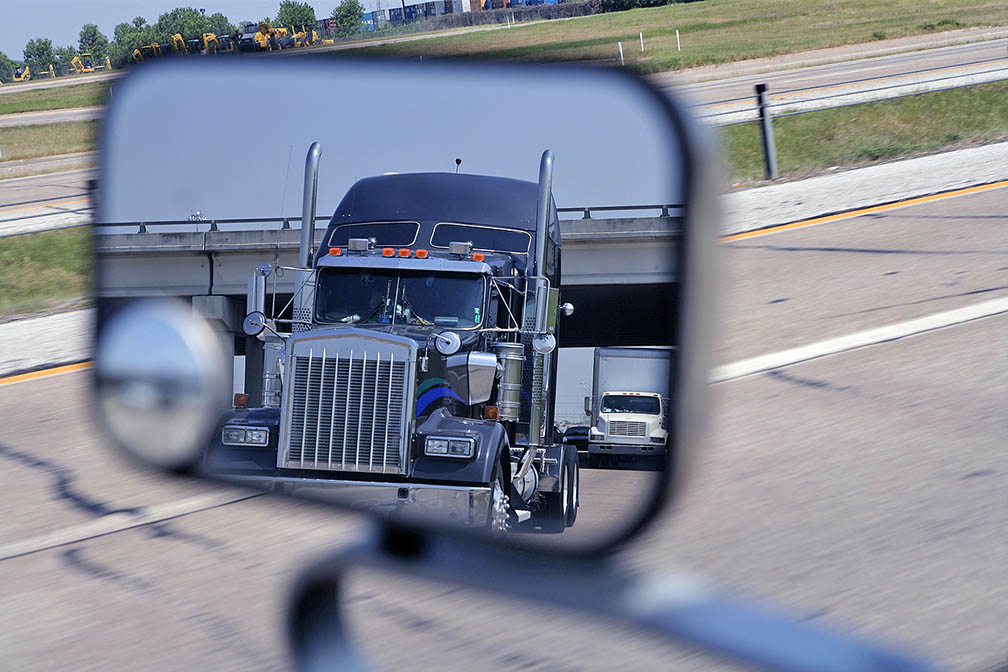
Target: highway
[
  {"x": 42, "y": 202},
  {"x": 865, "y": 490}
]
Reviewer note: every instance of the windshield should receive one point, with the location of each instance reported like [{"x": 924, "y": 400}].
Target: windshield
[
  {"x": 424, "y": 298},
  {"x": 612, "y": 403}
]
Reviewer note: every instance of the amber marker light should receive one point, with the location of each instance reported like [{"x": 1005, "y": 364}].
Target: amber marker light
[
  {"x": 240, "y": 400},
  {"x": 421, "y": 254},
  {"x": 403, "y": 252},
  {"x": 335, "y": 251},
  {"x": 478, "y": 256},
  {"x": 490, "y": 412},
  {"x": 387, "y": 252}
]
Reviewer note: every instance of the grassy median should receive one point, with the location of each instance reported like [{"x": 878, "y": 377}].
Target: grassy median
[
  {"x": 43, "y": 270},
  {"x": 29, "y": 142},
  {"x": 54, "y": 98},
  {"x": 713, "y": 31},
  {"x": 860, "y": 134}
]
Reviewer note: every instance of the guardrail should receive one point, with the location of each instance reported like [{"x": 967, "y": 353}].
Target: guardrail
[{"x": 208, "y": 224}]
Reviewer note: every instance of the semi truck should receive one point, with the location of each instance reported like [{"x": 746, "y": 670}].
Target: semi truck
[
  {"x": 416, "y": 373},
  {"x": 629, "y": 404}
]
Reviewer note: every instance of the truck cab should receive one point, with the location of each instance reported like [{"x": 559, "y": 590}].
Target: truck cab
[{"x": 419, "y": 369}]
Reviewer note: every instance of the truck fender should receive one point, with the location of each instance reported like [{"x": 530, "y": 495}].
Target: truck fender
[
  {"x": 549, "y": 476},
  {"x": 490, "y": 437}
]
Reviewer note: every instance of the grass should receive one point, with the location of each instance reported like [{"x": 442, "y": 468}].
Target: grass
[
  {"x": 29, "y": 142},
  {"x": 42, "y": 270},
  {"x": 55, "y": 98},
  {"x": 713, "y": 31},
  {"x": 859, "y": 134}
]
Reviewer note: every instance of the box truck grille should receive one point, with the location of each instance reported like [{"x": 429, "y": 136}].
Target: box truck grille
[
  {"x": 347, "y": 413},
  {"x": 627, "y": 428}
]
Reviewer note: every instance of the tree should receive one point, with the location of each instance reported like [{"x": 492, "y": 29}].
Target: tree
[
  {"x": 348, "y": 17},
  {"x": 218, "y": 24},
  {"x": 39, "y": 54},
  {"x": 7, "y": 67},
  {"x": 297, "y": 14},
  {"x": 139, "y": 22},
  {"x": 184, "y": 20},
  {"x": 92, "y": 41},
  {"x": 63, "y": 57}
]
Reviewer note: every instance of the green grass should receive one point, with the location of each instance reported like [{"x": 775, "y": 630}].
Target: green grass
[
  {"x": 43, "y": 270},
  {"x": 860, "y": 134},
  {"x": 713, "y": 31},
  {"x": 29, "y": 142},
  {"x": 55, "y": 98}
]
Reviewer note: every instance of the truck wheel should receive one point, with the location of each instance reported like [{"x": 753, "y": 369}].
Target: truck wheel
[
  {"x": 574, "y": 478},
  {"x": 499, "y": 515},
  {"x": 552, "y": 516}
]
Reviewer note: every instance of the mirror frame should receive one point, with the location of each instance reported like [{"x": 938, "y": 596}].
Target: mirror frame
[{"x": 693, "y": 331}]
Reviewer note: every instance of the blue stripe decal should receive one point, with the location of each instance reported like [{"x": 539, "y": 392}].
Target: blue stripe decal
[{"x": 430, "y": 396}]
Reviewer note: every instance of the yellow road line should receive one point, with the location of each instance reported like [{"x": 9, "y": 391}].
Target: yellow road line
[
  {"x": 863, "y": 211},
  {"x": 46, "y": 372},
  {"x": 51, "y": 205}
]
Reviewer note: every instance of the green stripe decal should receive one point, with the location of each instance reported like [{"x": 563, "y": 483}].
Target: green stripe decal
[{"x": 429, "y": 383}]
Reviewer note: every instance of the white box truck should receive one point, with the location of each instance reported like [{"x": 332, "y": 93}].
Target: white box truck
[{"x": 629, "y": 403}]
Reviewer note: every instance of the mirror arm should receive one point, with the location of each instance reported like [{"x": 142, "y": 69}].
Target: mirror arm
[{"x": 669, "y": 605}]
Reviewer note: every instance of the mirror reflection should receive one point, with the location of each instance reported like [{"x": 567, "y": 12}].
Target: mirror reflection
[{"x": 470, "y": 319}]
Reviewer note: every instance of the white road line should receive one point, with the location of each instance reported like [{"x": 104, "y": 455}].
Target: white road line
[
  {"x": 832, "y": 346},
  {"x": 118, "y": 522}
]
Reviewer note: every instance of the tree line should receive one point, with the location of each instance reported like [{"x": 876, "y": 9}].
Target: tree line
[{"x": 39, "y": 52}]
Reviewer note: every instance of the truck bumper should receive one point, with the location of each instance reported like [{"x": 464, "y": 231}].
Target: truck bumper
[
  {"x": 626, "y": 449},
  {"x": 465, "y": 505}
]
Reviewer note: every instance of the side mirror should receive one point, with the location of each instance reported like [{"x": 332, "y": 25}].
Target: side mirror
[{"x": 587, "y": 406}]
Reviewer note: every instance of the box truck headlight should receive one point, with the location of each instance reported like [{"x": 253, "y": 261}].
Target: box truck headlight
[
  {"x": 443, "y": 447},
  {"x": 596, "y": 437},
  {"x": 657, "y": 439}
]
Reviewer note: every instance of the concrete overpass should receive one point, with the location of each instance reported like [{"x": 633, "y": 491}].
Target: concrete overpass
[{"x": 619, "y": 273}]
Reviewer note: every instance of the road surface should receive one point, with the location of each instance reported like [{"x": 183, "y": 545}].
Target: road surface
[{"x": 865, "y": 490}]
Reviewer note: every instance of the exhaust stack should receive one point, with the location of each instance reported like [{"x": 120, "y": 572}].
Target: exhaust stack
[
  {"x": 538, "y": 402},
  {"x": 304, "y": 286}
]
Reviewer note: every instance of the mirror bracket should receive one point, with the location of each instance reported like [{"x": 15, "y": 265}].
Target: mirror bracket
[{"x": 670, "y": 605}]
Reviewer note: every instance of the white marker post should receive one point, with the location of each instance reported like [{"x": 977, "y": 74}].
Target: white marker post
[
  {"x": 642, "y": 41},
  {"x": 677, "y": 47},
  {"x": 620, "y": 52}
]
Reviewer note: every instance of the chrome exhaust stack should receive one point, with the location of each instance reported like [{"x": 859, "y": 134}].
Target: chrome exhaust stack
[
  {"x": 304, "y": 286},
  {"x": 538, "y": 403}
]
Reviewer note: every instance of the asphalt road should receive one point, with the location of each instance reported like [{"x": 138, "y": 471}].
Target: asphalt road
[
  {"x": 51, "y": 116},
  {"x": 43, "y": 202},
  {"x": 866, "y": 490}
]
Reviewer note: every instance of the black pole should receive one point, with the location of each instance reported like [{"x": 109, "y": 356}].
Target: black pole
[{"x": 766, "y": 133}]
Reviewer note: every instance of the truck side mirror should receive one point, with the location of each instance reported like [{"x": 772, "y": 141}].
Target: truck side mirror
[{"x": 587, "y": 405}]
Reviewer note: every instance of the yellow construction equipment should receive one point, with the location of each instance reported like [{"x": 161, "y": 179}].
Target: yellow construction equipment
[
  {"x": 303, "y": 39},
  {"x": 82, "y": 64},
  {"x": 50, "y": 72},
  {"x": 22, "y": 75},
  {"x": 179, "y": 45}
]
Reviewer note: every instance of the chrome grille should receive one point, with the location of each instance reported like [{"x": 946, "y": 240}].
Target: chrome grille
[
  {"x": 627, "y": 428},
  {"x": 347, "y": 412}
]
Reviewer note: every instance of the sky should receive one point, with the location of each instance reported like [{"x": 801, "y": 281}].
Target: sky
[
  {"x": 229, "y": 138},
  {"x": 61, "y": 20}
]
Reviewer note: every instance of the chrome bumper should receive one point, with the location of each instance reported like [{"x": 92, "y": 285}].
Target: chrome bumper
[
  {"x": 465, "y": 505},
  {"x": 625, "y": 446}
]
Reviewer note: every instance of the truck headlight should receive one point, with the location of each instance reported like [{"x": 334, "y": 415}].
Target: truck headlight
[
  {"x": 446, "y": 447},
  {"x": 657, "y": 439},
  {"x": 245, "y": 436}
]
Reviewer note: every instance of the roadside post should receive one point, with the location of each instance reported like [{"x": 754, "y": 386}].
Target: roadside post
[
  {"x": 766, "y": 133},
  {"x": 642, "y": 41},
  {"x": 620, "y": 53}
]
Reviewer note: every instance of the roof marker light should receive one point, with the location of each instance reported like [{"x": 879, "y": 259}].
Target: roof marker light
[
  {"x": 404, "y": 252},
  {"x": 478, "y": 256},
  {"x": 335, "y": 251},
  {"x": 421, "y": 254},
  {"x": 387, "y": 252}
]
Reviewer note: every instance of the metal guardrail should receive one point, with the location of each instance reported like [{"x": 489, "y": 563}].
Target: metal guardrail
[{"x": 208, "y": 224}]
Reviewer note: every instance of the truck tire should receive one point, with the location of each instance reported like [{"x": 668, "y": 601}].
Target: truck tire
[
  {"x": 499, "y": 515},
  {"x": 552, "y": 516},
  {"x": 574, "y": 491}
]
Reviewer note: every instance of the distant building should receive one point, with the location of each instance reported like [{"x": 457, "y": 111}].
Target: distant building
[{"x": 385, "y": 12}]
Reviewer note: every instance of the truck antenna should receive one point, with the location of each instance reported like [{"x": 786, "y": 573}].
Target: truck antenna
[
  {"x": 458, "y": 162},
  {"x": 283, "y": 193}
]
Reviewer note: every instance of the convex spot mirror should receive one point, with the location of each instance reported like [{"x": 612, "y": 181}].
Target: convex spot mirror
[{"x": 337, "y": 354}]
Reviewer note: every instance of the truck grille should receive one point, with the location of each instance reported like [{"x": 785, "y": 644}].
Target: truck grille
[
  {"x": 347, "y": 412},
  {"x": 627, "y": 428}
]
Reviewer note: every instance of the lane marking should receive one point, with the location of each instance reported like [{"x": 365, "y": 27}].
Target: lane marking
[
  {"x": 50, "y": 205},
  {"x": 44, "y": 373},
  {"x": 832, "y": 346},
  {"x": 863, "y": 211},
  {"x": 118, "y": 522}
]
